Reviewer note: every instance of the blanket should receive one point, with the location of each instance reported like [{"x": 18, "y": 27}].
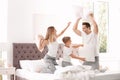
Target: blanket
[{"x": 78, "y": 72}]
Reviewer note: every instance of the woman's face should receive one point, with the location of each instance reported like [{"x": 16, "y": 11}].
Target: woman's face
[{"x": 55, "y": 31}]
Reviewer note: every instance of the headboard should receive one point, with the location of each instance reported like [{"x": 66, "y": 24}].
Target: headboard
[
  {"x": 24, "y": 51},
  {"x": 29, "y": 51}
]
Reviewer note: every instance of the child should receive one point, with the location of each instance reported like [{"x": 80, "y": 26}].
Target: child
[{"x": 68, "y": 53}]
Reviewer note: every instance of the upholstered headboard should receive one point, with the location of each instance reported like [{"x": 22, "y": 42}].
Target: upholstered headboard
[
  {"x": 29, "y": 51},
  {"x": 24, "y": 51}
]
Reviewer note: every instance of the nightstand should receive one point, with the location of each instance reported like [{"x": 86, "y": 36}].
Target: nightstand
[{"x": 7, "y": 71}]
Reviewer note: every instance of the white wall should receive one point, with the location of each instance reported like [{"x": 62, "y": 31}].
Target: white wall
[
  {"x": 20, "y": 26},
  {"x": 112, "y": 59}
]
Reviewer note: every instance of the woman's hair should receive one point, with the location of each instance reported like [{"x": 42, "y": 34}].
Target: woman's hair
[
  {"x": 50, "y": 34},
  {"x": 66, "y": 39}
]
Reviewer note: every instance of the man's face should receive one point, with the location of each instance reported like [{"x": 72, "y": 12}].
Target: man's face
[{"x": 85, "y": 29}]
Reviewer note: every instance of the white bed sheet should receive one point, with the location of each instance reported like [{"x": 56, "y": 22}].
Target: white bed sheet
[
  {"x": 33, "y": 75},
  {"x": 109, "y": 75}
]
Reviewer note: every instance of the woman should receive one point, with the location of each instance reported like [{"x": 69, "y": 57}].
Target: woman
[{"x": 51, "y": 41}]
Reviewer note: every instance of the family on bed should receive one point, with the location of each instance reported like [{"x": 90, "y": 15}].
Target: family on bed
[{"x": 89, "y": 38}]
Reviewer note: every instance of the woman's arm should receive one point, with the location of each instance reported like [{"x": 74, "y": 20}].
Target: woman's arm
[
  {"x": 42, "y": 42},
  {"x": 63, "y": 30}
]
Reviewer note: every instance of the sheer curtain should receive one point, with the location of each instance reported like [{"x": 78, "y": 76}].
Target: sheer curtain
[
  {"x": 3, "y": 26},
  {"x": 3, "y": 34},
  {"x": 3, "y": 20}
]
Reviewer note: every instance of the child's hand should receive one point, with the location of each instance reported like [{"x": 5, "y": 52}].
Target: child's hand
[
  {"x": 81, "y": 45},
  {"x": 83, "y": 59}
]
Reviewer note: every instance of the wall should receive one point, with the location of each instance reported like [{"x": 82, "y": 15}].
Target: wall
[
  {"x": 111, "y": 59},
  {"x": 20, "y": 26}
]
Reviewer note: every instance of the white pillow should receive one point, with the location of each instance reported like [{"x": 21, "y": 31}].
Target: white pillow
[
  {"x": 76, "y": 62},
  {"x": 32, "y": 65},
  {"x": 24, "y": 64},
  {"x": 59, "y": 62}
]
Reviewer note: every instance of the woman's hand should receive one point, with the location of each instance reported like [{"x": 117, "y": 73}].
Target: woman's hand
[
  {"x": 69, "y": 24},
  {"x": 40, "y": 37}
]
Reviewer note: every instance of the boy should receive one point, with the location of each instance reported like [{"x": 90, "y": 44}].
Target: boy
[{"x": 68, "y": 53}]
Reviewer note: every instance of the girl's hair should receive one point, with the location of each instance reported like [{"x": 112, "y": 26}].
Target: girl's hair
[
  {"x": 66, "y": 39},
  {"x": 50, "y": 36}
]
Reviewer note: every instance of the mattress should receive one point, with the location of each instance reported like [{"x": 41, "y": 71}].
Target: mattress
[
  {"x": 108, "y": 75},
  {"x": 25, "y": 74}
]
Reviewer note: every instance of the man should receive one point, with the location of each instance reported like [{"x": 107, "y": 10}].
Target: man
[{"x": 89, "y": 38}]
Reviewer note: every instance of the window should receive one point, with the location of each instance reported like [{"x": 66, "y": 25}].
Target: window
[{"x": 101, "y": 11}]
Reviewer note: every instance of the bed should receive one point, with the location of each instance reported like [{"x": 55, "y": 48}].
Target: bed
[{"x": 29, "y": 51}]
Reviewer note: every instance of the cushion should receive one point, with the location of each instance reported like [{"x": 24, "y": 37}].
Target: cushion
[
  {"x": 32, "y": 65},
  {"x": 24, "y": 64}
]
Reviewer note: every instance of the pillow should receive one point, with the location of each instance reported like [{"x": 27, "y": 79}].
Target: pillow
[
  {"x": 76, "y": 62},
  {"x": 24, "y": 64},
  {"x": 32, "y": 65},
  {"x": 59, "y": 62}
]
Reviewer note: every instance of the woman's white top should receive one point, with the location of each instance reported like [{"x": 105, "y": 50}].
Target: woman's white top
[
  {"x": 90, "y": 49},
  {"x": 52, "y": 49},
  {"x": 66, "y": 54}
]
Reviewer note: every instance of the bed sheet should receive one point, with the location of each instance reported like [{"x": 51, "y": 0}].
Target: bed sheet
[
  {"x": 33, "y": 75},
  {"x": 108, "y": 75}
]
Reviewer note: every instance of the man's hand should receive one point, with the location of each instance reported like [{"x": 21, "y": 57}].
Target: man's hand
[
  {"x": 79, "y": 19},
  {"x": 90, "y": 15}
]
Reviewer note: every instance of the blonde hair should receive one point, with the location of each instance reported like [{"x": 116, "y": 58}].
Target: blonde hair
[{"x": 50, "y": 35}]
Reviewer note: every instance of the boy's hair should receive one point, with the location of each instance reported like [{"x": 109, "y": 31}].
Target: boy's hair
[{"x": 66, "y": 39}]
